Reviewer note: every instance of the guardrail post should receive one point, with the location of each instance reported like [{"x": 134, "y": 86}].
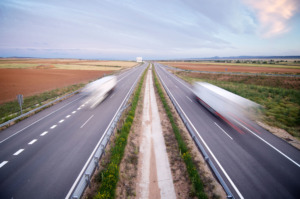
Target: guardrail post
[
  {"x": 96, "y": 159},
  {"x": 87, "y": 179}
]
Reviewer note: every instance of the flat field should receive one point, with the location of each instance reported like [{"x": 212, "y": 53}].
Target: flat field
[
  {"x": 33, "y": 76},
  {"x": 69, "y": 64},
  {"x": 282, "y": 68},
  {"x": 34, "y": 81}
]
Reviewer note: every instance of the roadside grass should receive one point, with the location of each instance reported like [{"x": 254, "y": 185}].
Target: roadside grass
[
  {"x": 261, "y": 80},
  {"x": 281, "y": 103},
  {"x": 11, "y": 109},
  {"x": 197, "y": 183},
  {"x": 18, "y": 65},
  {"x": 109, "y": 176}
]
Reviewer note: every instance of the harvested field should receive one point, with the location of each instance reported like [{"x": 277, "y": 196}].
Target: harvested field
[
  {"x": 70, "y": 64},
  {"x": 33, "y": 81},
  {"x": 234, "y": 68},
  {"x": 272, "y": 81}
]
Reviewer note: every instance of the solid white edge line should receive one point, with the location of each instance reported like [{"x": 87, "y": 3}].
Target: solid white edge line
[
  {"x": 52, "y": 127},
  {"x": 87, "y": 121},
  {"x": 32, "y": 141},
  {"x": 18, "y": 152},
  {"x": 86, "y": 164},
  {"x": 61, "y": 121},
  {"x": 223, "y": 130},
  {"x": 3, "y": 163},
  {"x": 290, "y": 159},
  {"x": 39, "y": 120},
  {"x": 175, "y": 78},
  {"x": 44, "y": 133},
  {"x": 216, "y": 160}
]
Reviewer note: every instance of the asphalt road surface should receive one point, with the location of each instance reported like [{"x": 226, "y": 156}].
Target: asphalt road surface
[
  {"x": 41, "y": 156},
  {"x": 253, "y": 162}
]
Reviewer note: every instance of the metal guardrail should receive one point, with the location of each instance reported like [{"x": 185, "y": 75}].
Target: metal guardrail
[
  {"x": 37, "y": 109},
  {"x": 198, "y": 144},
  {"x": 93, "y": 161}
]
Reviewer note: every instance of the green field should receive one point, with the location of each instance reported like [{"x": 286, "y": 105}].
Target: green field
[{"x": 280, "y": 101}]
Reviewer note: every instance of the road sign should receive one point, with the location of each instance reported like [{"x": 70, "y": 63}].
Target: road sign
[{"x": 20, "y": 101}]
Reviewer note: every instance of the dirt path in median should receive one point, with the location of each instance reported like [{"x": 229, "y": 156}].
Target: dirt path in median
[
  {"x": 154, "y": 173},
  {"x": 139, "y": 170}
]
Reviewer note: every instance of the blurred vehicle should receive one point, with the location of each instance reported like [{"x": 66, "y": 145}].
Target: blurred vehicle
[
  {"x": 224, "y": 103},
  {"x": 98, "y": 90}
]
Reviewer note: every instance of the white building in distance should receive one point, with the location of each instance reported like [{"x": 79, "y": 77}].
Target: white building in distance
[{"x": 139, "y": 59}]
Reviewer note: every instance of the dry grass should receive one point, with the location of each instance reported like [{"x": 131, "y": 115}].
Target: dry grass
[{"x": 70, "y": 64}]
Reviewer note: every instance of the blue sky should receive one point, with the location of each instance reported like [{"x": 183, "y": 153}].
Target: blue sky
[{"x": 125, "y": 29}]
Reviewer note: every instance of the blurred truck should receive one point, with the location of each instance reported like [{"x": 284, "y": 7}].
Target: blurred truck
[
  {"x": 98, "y": 90},
  {"x": 223, "y": 103}
]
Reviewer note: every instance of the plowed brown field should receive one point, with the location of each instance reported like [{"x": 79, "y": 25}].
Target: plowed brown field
[
  {"x": 232, "y": 68},
  {"x": 33, "y": 81}
]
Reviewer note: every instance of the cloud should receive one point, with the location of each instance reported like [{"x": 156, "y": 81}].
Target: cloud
[
  {"x": 223, "y": 15},
  {"x": 273, "y": 15}
]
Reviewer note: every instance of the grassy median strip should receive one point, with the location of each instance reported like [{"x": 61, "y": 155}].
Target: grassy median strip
[
  {"x": 110, "y": 175},
  {"x": 186, "y": 155}
]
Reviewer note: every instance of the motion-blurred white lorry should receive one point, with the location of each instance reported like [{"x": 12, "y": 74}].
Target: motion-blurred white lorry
[
  {"x": 98, "y": 90},
  {"x": 223, "y": 103}
]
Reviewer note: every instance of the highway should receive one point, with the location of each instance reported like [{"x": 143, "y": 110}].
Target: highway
[
  {"x": 41, "y": 156},
  {"x": 253, "y": 162}
]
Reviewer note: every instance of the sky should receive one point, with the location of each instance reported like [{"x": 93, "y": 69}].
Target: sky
[{"x": 152, "y": 29}]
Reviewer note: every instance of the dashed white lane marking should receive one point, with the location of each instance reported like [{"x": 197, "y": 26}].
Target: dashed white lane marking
[
  {"x": 61, "y": 121},
  {"x": 111, "y": 96},
  {"x": 52, "y": 127},
  {"x": 3, "y": 163},
  {"x": 189, "y": 99},
  {"x": 176, "y": 86},
  {"x": 44, "y": 133},
  {"x": 74, "y": 112},
  {"x": 87, "y": 121},
  {"x": 68, "y": 116},
  {"x": 214, "y": 157},
  {"x": 223, "y": 130},
  {"x": 33, "y": 141},
  {"x": 39, "y": 120},
  {"x": 19, "y": 151},
  {"x": 79, "y": 108},
  {"x": 86, "y": 164}
]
